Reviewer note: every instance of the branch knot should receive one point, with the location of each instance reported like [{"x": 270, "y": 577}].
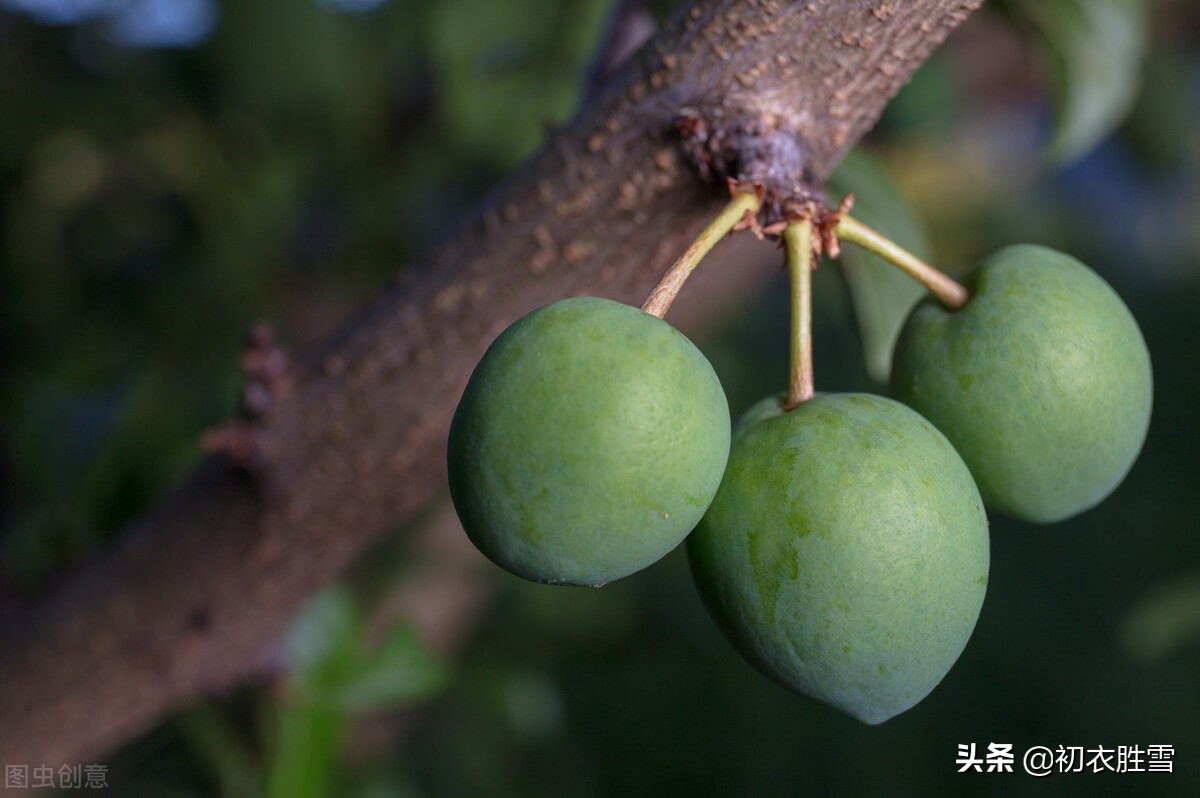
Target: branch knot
[{"x": 759, "y": 150}]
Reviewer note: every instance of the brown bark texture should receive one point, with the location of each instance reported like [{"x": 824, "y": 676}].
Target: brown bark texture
[{"x": 190, "y": 600}]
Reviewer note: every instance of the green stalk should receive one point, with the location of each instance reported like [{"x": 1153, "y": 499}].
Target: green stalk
[
  {"x": 797, "y": 239},
  {"x": 950, "y": 293},
  {"x": 668, "y": 287}
]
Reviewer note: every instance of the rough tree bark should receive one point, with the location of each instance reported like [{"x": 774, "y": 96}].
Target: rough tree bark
[{"x": 190, "y": 598}]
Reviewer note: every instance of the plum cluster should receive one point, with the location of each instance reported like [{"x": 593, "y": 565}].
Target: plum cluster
[{"x": 841, "y": 546}]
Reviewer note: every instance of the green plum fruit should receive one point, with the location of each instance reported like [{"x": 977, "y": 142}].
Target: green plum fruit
[
  {"x": 589, "y": 442},
  {"x": 1042, "y": 382},
  {"x": 846, "y": 552}
]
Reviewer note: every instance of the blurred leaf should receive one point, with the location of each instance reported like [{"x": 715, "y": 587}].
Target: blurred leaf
[
  {"x": 322, "y": 645},
  {"x": 1164, "y": 621},
  {"x": 332, "y": 666},
  {"x": 882, "y": 294},
  {"x": 215, "y": 740},
  {"x": 333, "y": 677},
  {"x": 1097, "y": 48},
  {"x": 927, "y": 102},
  {"x": 1161, "y": 127},
  {"x": 304, "y": 755},
  {"x": 401, "y": 670}
]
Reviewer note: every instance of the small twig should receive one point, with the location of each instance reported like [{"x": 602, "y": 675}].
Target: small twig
[
  {"x": 798, "y": 241},
  {"x": 948, "y": 291},
  {"x": 660, "y": 299}
]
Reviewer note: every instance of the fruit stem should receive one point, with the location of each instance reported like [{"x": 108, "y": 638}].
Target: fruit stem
[
  {"x": 797, "y": 240},
  {"x": 668, "y": 287},
  {"x": 949, "y": 292}
]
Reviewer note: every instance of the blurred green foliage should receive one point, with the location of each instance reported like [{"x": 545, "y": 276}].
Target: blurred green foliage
[
  {"x": 1096, "y": 84},
  {"x": 154, "y": 203},
  {"x": 332, "y": 677}
]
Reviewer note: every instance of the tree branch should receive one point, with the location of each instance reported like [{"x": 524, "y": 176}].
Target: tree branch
[{"x": 191, "y": 599}]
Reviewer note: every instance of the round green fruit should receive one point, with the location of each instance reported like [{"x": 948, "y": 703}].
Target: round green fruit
[
  {"x": 588, "y": 443},
  {"x": 1042, "y": 382},
  {"x": 846, "y": 552}
]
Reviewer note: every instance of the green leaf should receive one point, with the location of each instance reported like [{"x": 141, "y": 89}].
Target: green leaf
[
  {"x": 1096, "y": 47},
  {"x": 332, "y": 667},
  {"x": 334, "y": 676},
  {"x": 304, "y": 753},
  {"x": 882, "y": 294},
  {"x": 400, "y": 671},
  {"x": 322, "y": 645},
  {"x": 321, "y": 649},
  {"x": 217, "y": 743}
]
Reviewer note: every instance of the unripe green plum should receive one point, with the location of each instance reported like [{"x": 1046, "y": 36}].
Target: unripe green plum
[
  {"x": 846, "y": 552},
  {"x": 588, "y": 443},
  {"x": 1042, "y": 382}
]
